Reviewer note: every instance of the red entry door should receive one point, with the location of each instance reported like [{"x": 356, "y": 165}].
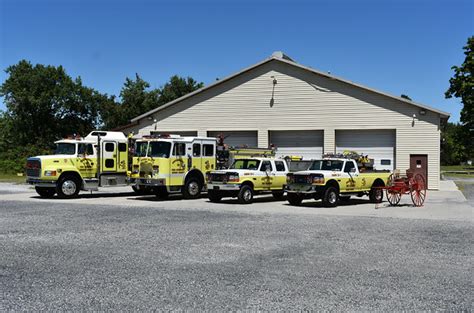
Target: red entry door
[{"x": 419, "y": 164}]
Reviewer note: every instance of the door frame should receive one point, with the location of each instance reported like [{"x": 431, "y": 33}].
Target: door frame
[{"x": 424, "y": 171}]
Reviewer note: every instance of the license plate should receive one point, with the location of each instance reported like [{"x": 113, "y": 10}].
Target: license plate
[{"x": 148, "y": 181}]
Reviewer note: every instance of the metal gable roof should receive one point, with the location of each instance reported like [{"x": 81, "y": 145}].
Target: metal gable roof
[{"x": 288, "y": 61}]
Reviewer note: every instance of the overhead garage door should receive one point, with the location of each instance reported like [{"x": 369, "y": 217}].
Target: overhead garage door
[
  {"x": 378, "y": 144},
  {"x": 237, "y": 138},
  {"x": 305, "y": 143}
]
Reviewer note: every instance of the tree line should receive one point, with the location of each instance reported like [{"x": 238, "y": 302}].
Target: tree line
[{"x": 43, "y": 103}]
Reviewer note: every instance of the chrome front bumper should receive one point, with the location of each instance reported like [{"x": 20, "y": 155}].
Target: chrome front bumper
[
  {"x": 40, "y": 182},
  {"x": 216, "y": 186}
]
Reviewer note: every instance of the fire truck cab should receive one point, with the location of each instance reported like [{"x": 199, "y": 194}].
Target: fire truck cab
[
  {"x": 98, "y": 160},
  {"x": 173, "y": 164}
]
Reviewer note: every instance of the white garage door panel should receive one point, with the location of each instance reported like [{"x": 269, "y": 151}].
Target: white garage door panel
[
  {"x": 378, "y": 144},
  {"x": 305, "y": 143},
  {"x": 237, "y": 138}
]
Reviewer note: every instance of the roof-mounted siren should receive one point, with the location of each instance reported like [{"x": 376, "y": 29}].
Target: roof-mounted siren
[{"x": 281, "y": 55}]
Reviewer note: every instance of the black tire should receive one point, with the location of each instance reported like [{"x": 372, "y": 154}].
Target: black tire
[
  {"x": 161, "y": 193},
  {"x": 68, "y": 187},
  {"x": 214, "y": 196},
  {"x": 294, "y": 198},
  {"x": 344, "y": 198},
  {"x": 245, "y": 195},
  {"x": 376, "y": 194},
  {"x": 192, "y": 188},
  {"x": 331, "y": 197},
  {"x": 45, "y": 192},
  {"x": 278, "y": 195},
  {"x": 138, "y": 191}
]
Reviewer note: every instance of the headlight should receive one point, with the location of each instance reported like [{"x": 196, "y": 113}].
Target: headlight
[
  {"x": 318, "y": 179},
  {"x": 290, "y": 178},
  {"x": 233, "y": 177},
  {"x": 49, "y": 173}
]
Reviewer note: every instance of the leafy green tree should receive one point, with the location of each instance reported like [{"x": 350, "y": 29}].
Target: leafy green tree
[
  {"x": 177, "y": 87},
  {"x": 453, "y": 148},
  {"x": 43, "y": 104},
  {"x": 462, "y": 86},
  {"x": 137, "y": 98}
]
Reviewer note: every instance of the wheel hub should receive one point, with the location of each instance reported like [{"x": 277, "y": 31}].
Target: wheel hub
[
  {"x": 247, "y": 195},
  {"x": 193, "y": 188},
  {"x": 68, "y": 187},
  {"x": 332, "y": 197}
]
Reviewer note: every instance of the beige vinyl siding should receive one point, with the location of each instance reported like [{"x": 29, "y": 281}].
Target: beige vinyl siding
[{"x": 303, "y": 100}]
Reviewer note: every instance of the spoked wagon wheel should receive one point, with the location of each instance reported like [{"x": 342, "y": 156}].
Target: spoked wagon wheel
[
  {"x": 393, "y": 195},
  {"x": 418, "y": 189}
]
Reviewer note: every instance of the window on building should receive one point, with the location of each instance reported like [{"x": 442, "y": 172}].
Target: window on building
[{"x": 385, "y": 162}]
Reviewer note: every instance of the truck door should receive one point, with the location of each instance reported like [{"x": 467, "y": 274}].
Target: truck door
[
  {"x": 350, "y": 175},
  {"x": 85, "y": 160},
  {"x": 178, "y": 164},
  {"x": 267, "y": 174},
  {"x": 122, "y": 157},
  {"x": 280, "y": 174},
  {"x": 109, "y": 156},
  {"x": 196, "y": 155}
]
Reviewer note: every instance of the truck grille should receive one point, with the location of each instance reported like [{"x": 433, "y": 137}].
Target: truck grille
[
  {"x": 217, "y": 177},
  {"x": 302, "y": 179},
  {"x": 33, "y": 168}
]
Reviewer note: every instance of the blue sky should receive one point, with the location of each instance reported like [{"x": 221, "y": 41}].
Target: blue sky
[{"x": 405, "y": 46}]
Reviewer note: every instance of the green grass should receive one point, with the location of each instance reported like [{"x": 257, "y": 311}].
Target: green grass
[
  {"x": 12, "y": 178},
  {"x": 457, "y": 168}
]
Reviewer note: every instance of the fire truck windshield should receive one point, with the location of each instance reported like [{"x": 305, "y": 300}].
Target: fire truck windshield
[
  {"x": 65, "y": 148},
  {"x": 140, "y": 148},
  {"x": 159, "y": 149}
]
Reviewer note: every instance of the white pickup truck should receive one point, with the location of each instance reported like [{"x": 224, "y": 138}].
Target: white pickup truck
[
  {"x": 334, "y": 179},
  {"x": 246, "y": 177}
]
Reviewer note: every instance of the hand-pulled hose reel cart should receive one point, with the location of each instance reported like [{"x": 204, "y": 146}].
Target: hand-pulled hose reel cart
[{"x": 413, "y": 184}]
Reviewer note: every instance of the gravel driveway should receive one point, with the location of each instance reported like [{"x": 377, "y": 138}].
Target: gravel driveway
[{"x": 138, "y": 255}]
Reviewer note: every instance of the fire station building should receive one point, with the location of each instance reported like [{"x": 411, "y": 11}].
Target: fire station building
[{"x": 305, "y": 112}]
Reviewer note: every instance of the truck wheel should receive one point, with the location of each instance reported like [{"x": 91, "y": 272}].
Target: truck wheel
[
  {"x": 138, "y": 191},
  {"x": 68, "y": 187},
  {"x": 214, "y": 196},
  {"x": 376, "y": 194},
  {"x": 161, "y": 193},
  {"x": 245, "y": 195},
  {"x": 278, "y": 195},
  {"x": 294, "y": 198},
  {"x": 331, "y": 197},
  {"x": 45, "y": 192},
  {"x": 192, "y": 188}
]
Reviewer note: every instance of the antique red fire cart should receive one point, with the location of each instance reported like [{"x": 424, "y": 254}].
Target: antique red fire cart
[{"x": 413, "y": 184}]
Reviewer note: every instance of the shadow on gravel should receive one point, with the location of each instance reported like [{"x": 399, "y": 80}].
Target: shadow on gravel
[
  {"x": 153, "y": 198},
  {"x": 91, "y": 196}
]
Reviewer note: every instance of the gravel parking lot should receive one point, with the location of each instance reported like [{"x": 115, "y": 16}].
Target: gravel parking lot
[{"x": 114, "y": 251}]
